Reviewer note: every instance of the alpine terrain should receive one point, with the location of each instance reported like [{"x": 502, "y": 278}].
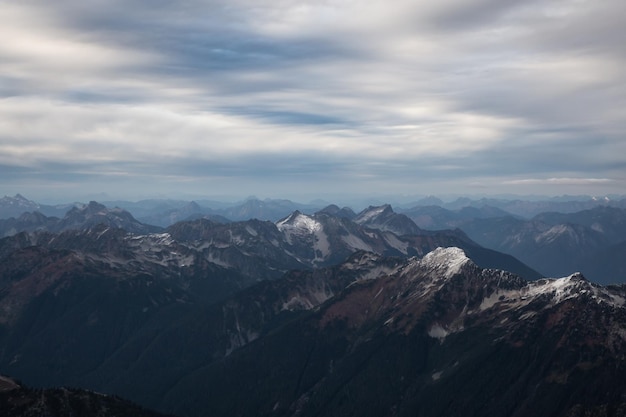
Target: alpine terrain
[{"x": 330, "y": 313}]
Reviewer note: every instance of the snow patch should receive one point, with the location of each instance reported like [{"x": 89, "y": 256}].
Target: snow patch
[
  {"x": 557, "y": 289},
  {"x": 561, "y": 288},
  {"x": 438, "y": 332},
  {"x": 446, "y": 261},
  {"x": 490, "y": 301},
  {"x": 370, "y": 214},
  {"x": 555, "y": 232},
  {"x": 321, "y": 244},
  {"x": 153, "y": 239},
  {"x": 299, "y": 222},
  {"x": 355, "y": 242},
  {"x": 102, "y": 233}
]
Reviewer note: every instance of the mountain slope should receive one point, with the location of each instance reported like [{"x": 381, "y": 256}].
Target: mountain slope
[
  {"x": 439, "y": 336},
  {"x": 133, "y": 316}
]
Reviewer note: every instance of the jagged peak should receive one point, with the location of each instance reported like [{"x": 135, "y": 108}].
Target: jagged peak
[
  {"x": 446, "y": 261},
  {"x": 372, "y": 212},
  {"x": 290, "y": 218},
  {"x": 297, "y": 220},
  {"x": 19, "y": 200},
  {"x": 554, "y": 291},
  {"x": 561, "y": 288}
]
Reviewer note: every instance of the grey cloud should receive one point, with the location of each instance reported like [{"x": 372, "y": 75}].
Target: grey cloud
[
  {"x": 288, "y": 117},
  {"x": 544, "y": 87},
  {"x": 464, "y": 15}
]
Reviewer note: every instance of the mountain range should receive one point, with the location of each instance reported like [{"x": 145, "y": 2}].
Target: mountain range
[
  {"x": 330, "y": 312},
  {"x": 552, "y": 243},
  {"x": 374, "y": 335}
]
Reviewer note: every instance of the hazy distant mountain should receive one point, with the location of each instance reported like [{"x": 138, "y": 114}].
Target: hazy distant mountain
[
  {"x": 267, "y": 209},
  {"x": 556, "y": 243},
  {"x": 77, "y": 218},
  {"x": 190, "y": 211},
  {"x": 334, "y": 210},
  {"x": 553, "y": 243},
  {"x": 609, "y": 221},
  {"x": 439, "y": 218},
  {"x": 172, "y": 215},
  {"x": 15, "y": 206},
  {"x": 167, "y": 212},
  {"x": 18, "y": 205},
  {"x": 94, "y": 213},
  {"x": 27, "y": 222},
  {"x": 531, "y": 208}
]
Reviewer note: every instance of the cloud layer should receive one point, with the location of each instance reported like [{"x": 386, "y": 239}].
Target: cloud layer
[{"x": 289, "y": 98}]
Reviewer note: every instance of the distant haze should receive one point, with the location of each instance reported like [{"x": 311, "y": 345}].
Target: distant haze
[{"x": 305, "y": 99}]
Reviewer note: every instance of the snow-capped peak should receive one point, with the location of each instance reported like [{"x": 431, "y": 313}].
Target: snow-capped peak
[
  {"x": 299, "y": 221},
  {"x": 446, "y": 261},
  {"x": 554, "y": 290},
  {"x": 572, "y": 286}
]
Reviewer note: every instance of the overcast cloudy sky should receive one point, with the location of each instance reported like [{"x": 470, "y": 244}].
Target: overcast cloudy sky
[{"x": 282, "y": 98}]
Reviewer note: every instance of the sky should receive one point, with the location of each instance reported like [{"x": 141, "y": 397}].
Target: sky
[{"x": 311, "y": 99}]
